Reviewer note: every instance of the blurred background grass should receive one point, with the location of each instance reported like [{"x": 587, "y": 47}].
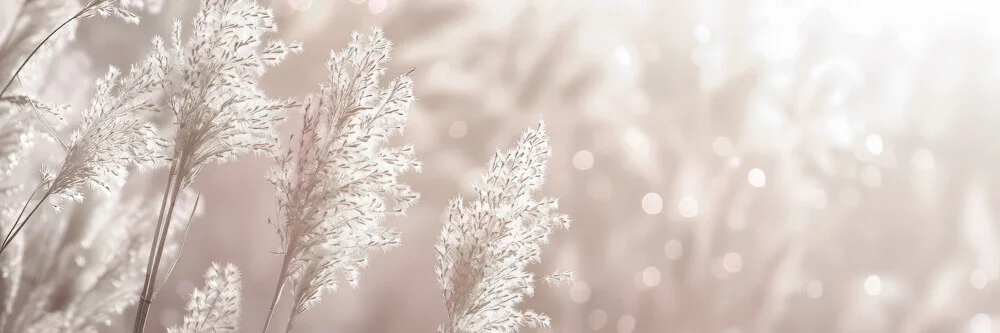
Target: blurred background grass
[{"x": 731, "y": 166}]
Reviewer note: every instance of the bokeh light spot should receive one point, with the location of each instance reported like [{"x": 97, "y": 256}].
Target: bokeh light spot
[
  {"x": 579, "y": 292},
  {"x": 583, "y": 160},
  {"x": 674, "y": 249},
  {"x": 814, "y": 289},
  {"x": 756, "y": 177},
  {"x": 623, "y": 56},
  {"x": 300, "y": 5},
  {"x": 377, "y": 6},
  {"x": 978, "y": 279},
  {"x": 702, "y": 34},
  {"x": 874, "y": 144},
  {"x": 458, "y": 129},
  {"x": 873, "y": 285},
  {"x": 651, "y": 276},
  {"x": 981, "y": 323},
  {"x": 597, "y": 319},
  {"x": 652, "y": 203},
  {"x": 626, "y": 324},
  {"x": 722, "y": 146},
  {"x": 688, "y": 207},
  {"x": 732, "y": 262}
]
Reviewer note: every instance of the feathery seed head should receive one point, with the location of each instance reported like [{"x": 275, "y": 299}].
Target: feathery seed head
[
  {"x": 112, "y": 8},
  {"x": 485, "y": 246},
  {"x": 114, "y": 135},
  {"x": 221, "y": 112},
  {"x": 340, "y": 181},
  {"x": 216, "y": 307}
]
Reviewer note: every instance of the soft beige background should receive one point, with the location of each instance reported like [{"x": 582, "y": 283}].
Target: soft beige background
[{"x": 731, "y": 166}]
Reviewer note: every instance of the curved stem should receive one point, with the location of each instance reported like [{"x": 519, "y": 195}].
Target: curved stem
[
  {"x": 20, "y": 226},
  {"x": 24, "y": 208},
  {"x": 39, "y": 46},
  {"x": 52, "y": 132},
  {"x": 177, "y": 257},
  {"x": 282, "y": 278}
]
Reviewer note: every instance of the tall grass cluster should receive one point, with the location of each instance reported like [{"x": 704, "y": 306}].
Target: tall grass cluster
[{"x": 79, "y": 255}]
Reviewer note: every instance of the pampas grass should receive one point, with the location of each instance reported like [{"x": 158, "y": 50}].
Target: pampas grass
[
  {"x": 337, "y": 180},
  {"x": 340, "y": 182},
  {"x": 486, "y": 245}
]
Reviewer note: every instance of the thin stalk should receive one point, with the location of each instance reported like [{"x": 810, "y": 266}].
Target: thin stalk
[
  {"x": 187, "y": 231},
  {"x": 156, "y": 250},
  {"x": 39, "y": 46},
  {"x": 20, "y": 226},
  {"x": 143, "y": 301},
  {"x": 282, "y": 278},
  {"x": 288, "y": 244},
  {"x": 19, "y": 215},
  {"x": 18, "y": 223},
  {"x": 52, "y": 132}
]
